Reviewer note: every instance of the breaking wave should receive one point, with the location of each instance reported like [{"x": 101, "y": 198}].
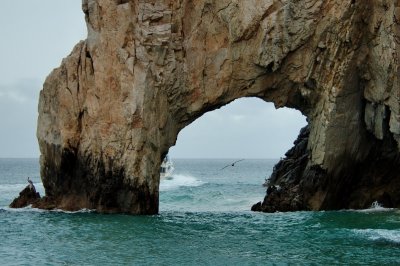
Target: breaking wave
[
  {"x": 179, "y": 181},
  {"x": 376, "y": 207}
]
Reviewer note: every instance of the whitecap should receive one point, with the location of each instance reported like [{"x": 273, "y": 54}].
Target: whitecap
[
  {"x": 179, "y": 181},
  {"x": 385, "y": 235},
  {"x": 375, "y": 207}
]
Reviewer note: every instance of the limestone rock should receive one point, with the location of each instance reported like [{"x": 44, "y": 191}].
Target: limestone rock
[{"x": 147, "y": 69}]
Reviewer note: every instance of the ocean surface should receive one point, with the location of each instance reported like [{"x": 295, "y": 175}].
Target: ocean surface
[{"x": 204, "y": 219}]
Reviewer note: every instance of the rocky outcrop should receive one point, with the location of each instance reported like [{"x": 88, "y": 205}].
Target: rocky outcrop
[
  {"x": 110, "y": 112},
  {"x": 28, "y": 196},
  {"x": 295, "y": 184},
  {"x": 285, "y": 186}
]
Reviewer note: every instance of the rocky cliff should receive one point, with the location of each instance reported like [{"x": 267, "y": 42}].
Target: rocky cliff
[{"x": 147, "y": 69}]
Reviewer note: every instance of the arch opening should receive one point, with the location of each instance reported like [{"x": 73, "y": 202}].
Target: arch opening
[{"x": 248, "y": 129}]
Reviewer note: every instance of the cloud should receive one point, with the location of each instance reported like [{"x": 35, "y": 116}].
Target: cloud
[
  {"x": 238, "y": 118},
  {"x": 15, "y": 96},
  {"x": 22, "y": 91}
]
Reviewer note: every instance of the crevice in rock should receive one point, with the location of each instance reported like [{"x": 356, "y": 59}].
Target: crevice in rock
[{"x": 121, "y": 2}]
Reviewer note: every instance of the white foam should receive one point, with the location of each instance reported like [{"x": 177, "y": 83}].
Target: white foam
[
  {"x": 25, "y": 209},
  {"x": 179, "y": 181},
  {"x": 78, "y": 211},
  {"x": 379, "y": 234},
  {"x": 376, "y": 207},
  {"x": 30, "y": 209}
]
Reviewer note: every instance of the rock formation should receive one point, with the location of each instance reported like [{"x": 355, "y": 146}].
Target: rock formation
[
  {"x": 28, "y": 196},
  {"x": 111, "y": 111}
]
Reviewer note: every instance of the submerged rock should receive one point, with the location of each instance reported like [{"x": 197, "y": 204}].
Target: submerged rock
[{"x": 111, "y": 111}]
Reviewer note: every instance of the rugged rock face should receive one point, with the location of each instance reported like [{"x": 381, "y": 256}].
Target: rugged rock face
[
  {"x": 285, "y": 187},
  {"x": 147, "y": 69}
]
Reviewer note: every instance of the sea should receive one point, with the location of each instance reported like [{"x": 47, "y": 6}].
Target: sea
[{"x": 204, "y": 219}]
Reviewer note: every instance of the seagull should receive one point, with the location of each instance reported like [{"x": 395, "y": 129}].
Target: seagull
[
  {"x": 30, "y": 183},
  {"x": 231, "y": 164}
]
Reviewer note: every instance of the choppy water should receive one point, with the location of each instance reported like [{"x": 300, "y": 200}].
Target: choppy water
[{"x": 204, "y": 220}]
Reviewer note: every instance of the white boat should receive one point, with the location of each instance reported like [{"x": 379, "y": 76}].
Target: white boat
[{"x": 166, "y": 169}]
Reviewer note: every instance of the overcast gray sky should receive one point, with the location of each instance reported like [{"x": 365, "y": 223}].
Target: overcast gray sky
[{"x": 37, "y": 34}]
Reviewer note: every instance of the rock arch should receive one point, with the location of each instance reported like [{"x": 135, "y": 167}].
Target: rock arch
[{"x": 147, "y": 69}]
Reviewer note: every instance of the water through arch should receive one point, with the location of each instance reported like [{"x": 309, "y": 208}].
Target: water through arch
[{"x": 247, "y": 128}]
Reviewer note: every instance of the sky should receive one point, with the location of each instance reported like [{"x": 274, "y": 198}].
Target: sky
[
  {"x": 37, "y": 34},
  {"x": 247, "y": 128}
]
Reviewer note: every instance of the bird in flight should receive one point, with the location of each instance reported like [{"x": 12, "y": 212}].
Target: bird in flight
[{"x": 231, "y": 164}]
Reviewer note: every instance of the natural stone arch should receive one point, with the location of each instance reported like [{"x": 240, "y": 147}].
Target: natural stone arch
[{"x": 113, "y": 108}]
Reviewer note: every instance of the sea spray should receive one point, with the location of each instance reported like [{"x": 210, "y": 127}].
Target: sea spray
[
  {"x": 179, "y": 180},
  {"x": 376, "y": 205}
]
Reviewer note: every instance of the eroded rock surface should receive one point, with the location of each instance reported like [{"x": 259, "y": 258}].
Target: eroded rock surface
[{"x": 147, "y": 69}]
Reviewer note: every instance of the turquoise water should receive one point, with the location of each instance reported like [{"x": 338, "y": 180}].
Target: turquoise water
[{"x": 204, "y": 220}]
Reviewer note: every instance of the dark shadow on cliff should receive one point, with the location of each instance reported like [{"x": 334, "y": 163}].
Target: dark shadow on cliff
[{"x": 111, "y": 196}]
